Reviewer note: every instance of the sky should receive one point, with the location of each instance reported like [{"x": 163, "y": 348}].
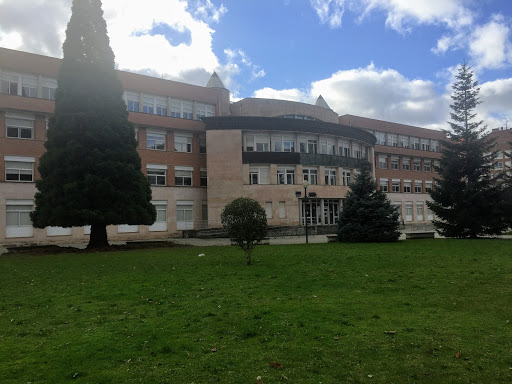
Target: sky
[{"x": 392, "y": 60}]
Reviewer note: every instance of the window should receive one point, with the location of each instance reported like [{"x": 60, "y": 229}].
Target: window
[
  {"x": 310, "y": 175},
  {"x": 200, "y": 111},
  {"x": 132, "y": 101},
  {"x": 417, "y": 165},
  {"x": 148, "y": 104},
  {"x": 430, "y": 214},
  {"x": 202, "y": 144},
  {"x": 157, "y": 174},
  {"x": 18, "y": 223},
  {"x": 182, "y": 143},
  {"x": 268, "y": 209},
  {"x": 426, "y": 166},
  {"x": 415, "y": 143},
  {"x": 434, "y": 145},
  {"x": 48, "y": 88},
  {"x": 408, "y": 211},
  {"x": 395, "y": 185},
  {"x": 327, "y": 146},
  {"x": 29, "y": 86},
  {"x": 437, "y": 164},
  {"x": 330, "y": 176},
  {"x": 381, "y": 138},
  {"x": 418, "y": 188},
  {"x": 9, "y": 83},
  {"x": 204, "y": 214},
  {"x": 261, "y": 143},
  {"x": 259, "y": 175},
  {"x": 428, "y": 186},
  {"x": 346, "y": 177},
  {"x": 356, "y": 150},
  {"x": 283, "y": 144},
  {"x": 394, "y": 163},
  {"x": 184, "y": 215},
  {"x": 155, "y": 141},
  {"x": 285, "y": 176},
  {"x": 187, "y": 109},
  {"x": 344, "y": 149},
  {"x": 425, "y": 144},
  {"x": 406, "y": 164},
  {"x": 183, "y": 176},
  {"x": 19, "y": 128},
  {"x": 323, "y": 146},
  {"x": 161, "y": 106},
  {"x": 392, "y": 140},
  {"x": 383, "y": 183},
  {"x": 312, "y": 146},
  {"x": 18, "y": 168},
  {"x": 175, "y": 108},
  {"x": 203, "y": 177},
  {"x": 160, "y": 223},
  {"x": 407, "y": 186},
  {"x": 419, "y": 210},
  {"x": 282, "y": 210},
  {"x": 383, "y": 162},
  {"x": 403, "y": 141},
  {"x": 498, "y": 165}
]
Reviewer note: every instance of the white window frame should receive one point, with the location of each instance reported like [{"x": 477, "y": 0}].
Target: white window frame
[
  {"x": 157, "y": 140},
  {"x": 132, "y": 101},
  {"x": 21, "y": 123},
  {"x": 160, "y": 224},
  {"x": 330, "y": 176},
  {"x": 19, "y": 230},
  {"x": 259, "y": 174},
  {"x": 395, "y": 185},
  {"x": 157, "y": 173},
  {"x": 183, "y": 142},
  {"x": 310, "y": 175},
  {"x": 285, "y": 175},
  {"x": 14, "y": 165},
  {"x": 407, "y": 186},
  {"x": 408, "y": 211},
  {"x": 383, "y": 162},
  {"x": 418, "y": 186},
  {"x": 383, "y": 184},
  {"x": 184, "y": 176},
  {"x": 48, "y": 88},
  {"x": 203, "y": 175},
  {"x": 420, "y": 212},
  {"x": 346, "y": 177},
  {"x": 184, "y": 208}
]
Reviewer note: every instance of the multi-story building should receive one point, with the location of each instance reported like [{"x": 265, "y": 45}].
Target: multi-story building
[
  {"x": 199, "y": 152},
  {"x": 404, "y": 162},
  {"x": 502, "y": 161}
]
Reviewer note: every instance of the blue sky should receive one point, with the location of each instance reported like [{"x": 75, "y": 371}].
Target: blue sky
[{"x": 386, "y": 59}]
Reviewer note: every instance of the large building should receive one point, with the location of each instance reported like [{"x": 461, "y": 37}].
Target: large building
[{"x": 199, "y": 152}]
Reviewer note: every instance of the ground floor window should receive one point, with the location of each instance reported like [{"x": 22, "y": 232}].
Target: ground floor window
[
  {"x": 320, "y": 211},
  {"x": 160, "y": 223},
  {"x": 184, "y": 215},
  {"x": 17, "y": 217}
]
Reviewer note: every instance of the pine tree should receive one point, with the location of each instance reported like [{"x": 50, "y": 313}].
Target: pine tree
[
  {"x": 466, "y": 198},
  {"x": 91, "y": 171},
  {"x": 367, "y": 214}
]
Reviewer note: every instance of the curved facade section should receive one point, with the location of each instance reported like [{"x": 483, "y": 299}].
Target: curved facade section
[
  {"x": 269, "y": 159},
  {"x": 275, "y": 108}
]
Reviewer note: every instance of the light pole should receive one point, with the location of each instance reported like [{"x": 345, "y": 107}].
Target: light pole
[{"x": 305, "y": 185}]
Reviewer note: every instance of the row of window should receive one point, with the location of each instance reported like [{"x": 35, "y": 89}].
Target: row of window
[
  {"x": 260, "y": 174},
  {"x": 403, "y": 141},
  {"x": 18, "y": 223},
  {"x": 27, "y": 85},
  {"x": 157, "y": 175},
  {"x": 408, "y": 186},
  {"x": 182, "y": 142},
  {"x": 423, "y": 212},
  {"x": 404, "y": 163},
  {"x": 303, "y": 144},
  {"x": 167, "y": 106}
]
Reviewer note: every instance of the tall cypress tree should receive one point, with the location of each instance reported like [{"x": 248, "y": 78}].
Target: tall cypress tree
[
  {"x": 91, "y": 171},
  {"x": 367, "y": 214},
  {"x": 466, "y": 198}
]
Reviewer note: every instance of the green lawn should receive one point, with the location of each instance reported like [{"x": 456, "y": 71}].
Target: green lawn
[{"x": 418, "y": 311}]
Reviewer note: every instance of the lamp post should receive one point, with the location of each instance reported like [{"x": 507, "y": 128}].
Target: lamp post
[{"x": 305, "y": 185}]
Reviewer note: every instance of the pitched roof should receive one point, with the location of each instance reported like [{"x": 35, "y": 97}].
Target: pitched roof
[
  {"x": 320, "y": 102},
  {"x": 215, "y": 81}
]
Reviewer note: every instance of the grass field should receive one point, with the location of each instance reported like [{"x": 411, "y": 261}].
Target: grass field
[{"x": 420, "y": 311}]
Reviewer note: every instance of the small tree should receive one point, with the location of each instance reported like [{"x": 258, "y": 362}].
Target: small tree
[
  {"x": 467, "y": 199},
  {"x": 91, "y": 171},
  {"x": 245, "y": 222},
  {"x": 367, "y": 214}
]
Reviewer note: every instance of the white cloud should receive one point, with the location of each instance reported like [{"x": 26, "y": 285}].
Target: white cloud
[
  {"x": 495, "y": 107},
  {"x": 329, "y": 11},
  {"x": 234, "y": 55},
  {"x": 489, "y": 44},
  {"x": 283, "y": 94}
]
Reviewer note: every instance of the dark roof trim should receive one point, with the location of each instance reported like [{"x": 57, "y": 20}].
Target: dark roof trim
[{"x": 294, "y": 125}]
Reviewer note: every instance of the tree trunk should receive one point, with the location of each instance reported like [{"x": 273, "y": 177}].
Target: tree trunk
[
  {"x": 98, "y": 238},
  {"x": 248, "y": 254}
]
